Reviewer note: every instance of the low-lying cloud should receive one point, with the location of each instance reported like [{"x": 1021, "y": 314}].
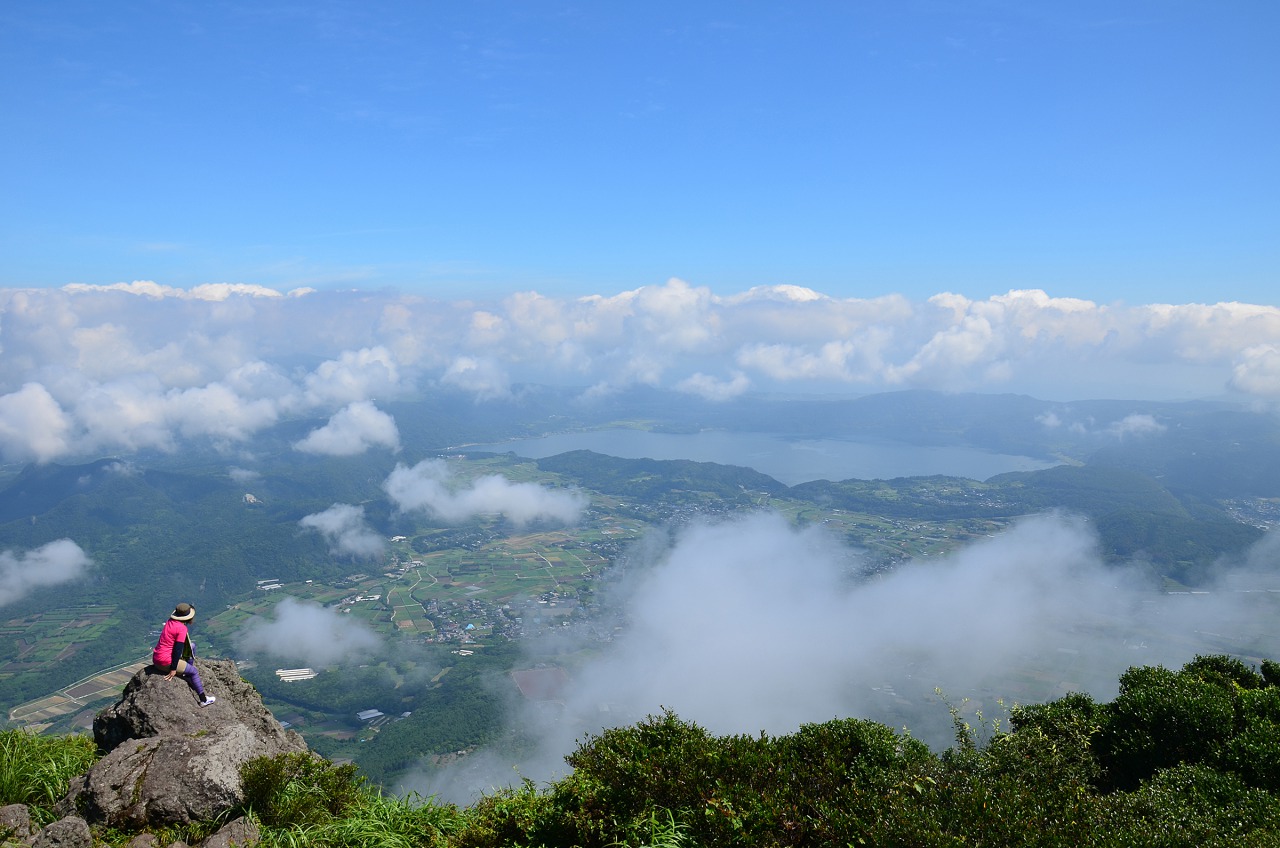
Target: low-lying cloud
[
  {"x": 309, "y": 634},
  {"x": 1135, "y": 425},
  {"x": 352, "y": 430},
  {"x": 753, "y": 625},
  {"x": 101, "y": 369},
  {"x": 48, "y": 565},
  {"x": 344, "y": 528},
  {"x": 431, "y": 487}
]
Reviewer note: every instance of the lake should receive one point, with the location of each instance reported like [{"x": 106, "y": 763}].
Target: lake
[{"x": 788, "y": 461}]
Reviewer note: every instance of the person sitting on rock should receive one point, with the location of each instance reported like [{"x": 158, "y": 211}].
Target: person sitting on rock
[{"x": 174, "y": 655}]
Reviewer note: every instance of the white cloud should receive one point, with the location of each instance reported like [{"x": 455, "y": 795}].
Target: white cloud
[
  {"x": 1049, "y": 420},
  {"x": 48, "y": 565},
  {"x": 208, "y": 291},
  {"x": 217, "y": 411},
  {"x": 32, "y": 425},
  {"x": 483, "y": 378},
  {"x": 308, "y": 634},
  {"x": 429, "y": 486},
  {"x": 1257, "y": 371},
  {"x": 1136, "y": 425},
  {"x": 354, "y": 375},
  {"x": 348, "y": 534},
  {"x": 711, "y": 388},
  {"x": 352, "y": 430}
]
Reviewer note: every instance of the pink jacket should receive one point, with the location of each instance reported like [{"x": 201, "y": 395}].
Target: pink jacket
[{"x": 173, "y": 633}]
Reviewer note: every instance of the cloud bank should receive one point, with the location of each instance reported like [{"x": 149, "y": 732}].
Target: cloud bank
[
  {"x": 429, "y": 486},
  {"x": 48, "y": 565},
  {"x": 307, "y": 633},
  {"x": 94, "y": 369},
  {"x": 752, "y": 625}
]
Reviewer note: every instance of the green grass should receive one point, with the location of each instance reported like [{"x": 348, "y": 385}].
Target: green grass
[
  {"x": 34, "y": 770},
  {"x": 375, "y": 820}
]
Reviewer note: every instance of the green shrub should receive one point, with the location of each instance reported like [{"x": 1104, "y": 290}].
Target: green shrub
[
  {"x": 1254, "y": 755},
  {"x": 816, "y": 786},
  {"x": 35, "y": 770},
  {"x": 1197, "y": 805},
  {"x": 299, "y": 789},
  {"x": 1271, "y": 672},
  {"x": 1050, "y": 743},
  {"x": 1217, "y": 668},
  {"x": 1163, "y": 718},
  {"x": 661, "y": 762},
  {"x": 1260, "y": 704},
  {"x": 523, "y": 816}
]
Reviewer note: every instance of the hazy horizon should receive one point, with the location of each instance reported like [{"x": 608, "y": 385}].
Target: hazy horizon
[{"x": 114, "y": 369}]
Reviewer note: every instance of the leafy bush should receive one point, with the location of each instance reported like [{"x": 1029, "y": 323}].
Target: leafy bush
[
  {"x": 1197, "y": 805},
  {"x": 35, "y": 770},
  {"x": 1224, "y": 670},
  {"x": 1161, "y": 719},
  {"x": 1050, "y": 743},
  {"x": 810, "y": 787},
  {"x": 299, "y": 789},
  {"x": 1260, "y": 705}
]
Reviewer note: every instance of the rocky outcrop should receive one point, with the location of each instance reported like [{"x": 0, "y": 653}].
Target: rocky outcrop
[
  {"x": 171, "y": 761},
  {"x": 152, "y": 706}
]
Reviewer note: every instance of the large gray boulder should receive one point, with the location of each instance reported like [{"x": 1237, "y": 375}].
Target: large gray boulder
[{"x": 171, "y": 761}]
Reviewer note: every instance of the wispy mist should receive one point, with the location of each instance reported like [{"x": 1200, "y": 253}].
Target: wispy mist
[
  {"x": 57, "y": 562},
  {"x": 307, "y": 633},
  {"x": 344, "y": 527},
  {"x": 752, "y": 625}
]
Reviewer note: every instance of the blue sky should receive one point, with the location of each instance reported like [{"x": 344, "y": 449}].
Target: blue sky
[{"x": 1105, "y": 151}]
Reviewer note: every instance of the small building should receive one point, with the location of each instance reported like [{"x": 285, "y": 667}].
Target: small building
[
  {"x": 291, "y": 675},
  {"x": 368, "y": 715}
]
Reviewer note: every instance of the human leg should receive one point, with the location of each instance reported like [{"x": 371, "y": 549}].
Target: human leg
[
  {"x": 192, "y": 676},
  {"x": 193, "y": 680}
]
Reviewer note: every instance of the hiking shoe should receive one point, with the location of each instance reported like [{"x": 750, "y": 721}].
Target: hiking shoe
[{"x": 208, "y": 699}]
